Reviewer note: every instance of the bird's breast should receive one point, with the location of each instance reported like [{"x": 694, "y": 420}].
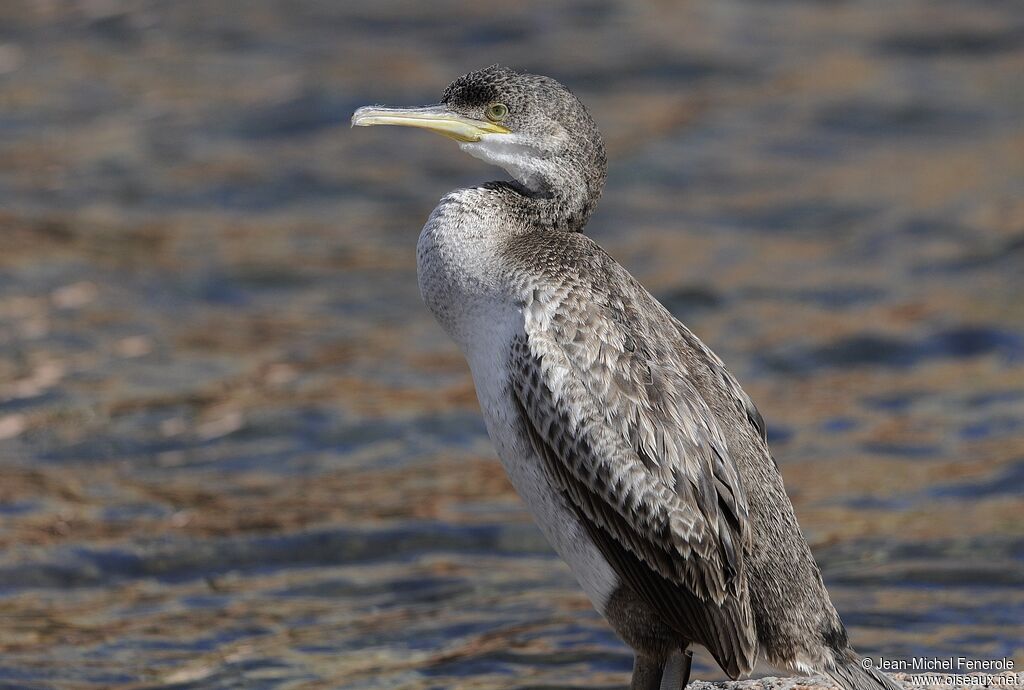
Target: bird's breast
[
  {"x": 461, "y": 275},
  {"x": 467, "y": 282}
]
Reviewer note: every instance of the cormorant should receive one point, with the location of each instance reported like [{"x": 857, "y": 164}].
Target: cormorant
[{"x": 643, "y": 462}]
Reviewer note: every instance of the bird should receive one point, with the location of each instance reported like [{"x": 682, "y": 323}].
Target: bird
[{"x": 644, "y": 463}]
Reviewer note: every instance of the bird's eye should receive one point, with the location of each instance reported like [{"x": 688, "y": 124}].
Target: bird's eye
[{"x": 496, "y": 112}]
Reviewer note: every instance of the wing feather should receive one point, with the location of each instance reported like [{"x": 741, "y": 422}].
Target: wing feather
[{"x": 603, "y": 392}]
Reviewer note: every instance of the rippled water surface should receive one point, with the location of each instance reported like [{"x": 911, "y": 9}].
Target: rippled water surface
[{"x": 236, "y": 450}]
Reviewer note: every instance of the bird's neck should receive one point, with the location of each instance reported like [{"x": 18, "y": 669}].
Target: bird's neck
[
  {"x": 547, "y": 207},
  {"x": 556, "y": 188}
]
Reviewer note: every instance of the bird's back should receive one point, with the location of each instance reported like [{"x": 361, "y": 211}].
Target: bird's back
[{"x": 567, "y": 279}]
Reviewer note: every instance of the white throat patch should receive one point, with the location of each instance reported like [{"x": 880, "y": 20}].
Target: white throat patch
[{"x": 525, "y": 163}]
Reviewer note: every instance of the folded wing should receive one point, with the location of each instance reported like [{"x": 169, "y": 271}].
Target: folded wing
[{"x": 603, "y": 392}]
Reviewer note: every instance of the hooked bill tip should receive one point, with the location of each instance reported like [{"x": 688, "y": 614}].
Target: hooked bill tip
[{"x": 357, "y": 116}]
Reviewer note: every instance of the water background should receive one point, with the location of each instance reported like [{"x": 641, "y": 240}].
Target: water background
[{"x": 235, "y": 449}]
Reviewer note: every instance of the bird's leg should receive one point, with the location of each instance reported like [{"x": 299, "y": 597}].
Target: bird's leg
[
  {"x": 687, "y": 664},
  {"x": 676, "y": 674},
  {"x": 646, "y": 673}
]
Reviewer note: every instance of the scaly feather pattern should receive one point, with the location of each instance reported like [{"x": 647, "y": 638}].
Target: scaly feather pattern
[{"x": 601, "y": 381}]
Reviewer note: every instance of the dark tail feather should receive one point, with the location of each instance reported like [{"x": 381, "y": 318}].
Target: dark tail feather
[{"x": 851, "y": 675}]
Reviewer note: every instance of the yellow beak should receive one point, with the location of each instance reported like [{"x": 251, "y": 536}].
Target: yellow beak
[{"x": 436, "y": 118}]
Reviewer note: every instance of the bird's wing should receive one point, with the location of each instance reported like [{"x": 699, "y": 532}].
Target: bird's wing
[{"x": 604, "y": 395}]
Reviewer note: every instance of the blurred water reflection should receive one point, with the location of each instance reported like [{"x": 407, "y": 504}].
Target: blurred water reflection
[{"x": 235, "y": 451}]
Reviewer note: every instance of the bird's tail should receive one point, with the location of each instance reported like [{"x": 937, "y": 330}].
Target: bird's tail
[{"x": 854, "y": 673}]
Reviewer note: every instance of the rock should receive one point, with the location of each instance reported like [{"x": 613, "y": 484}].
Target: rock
[{"x": 938, "y": 681}]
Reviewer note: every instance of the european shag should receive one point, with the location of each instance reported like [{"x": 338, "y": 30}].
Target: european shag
[{"x": 643, "y": 462}]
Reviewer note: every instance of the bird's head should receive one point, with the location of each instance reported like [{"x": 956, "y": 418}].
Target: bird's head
[{"x": 530, "y": 125}]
